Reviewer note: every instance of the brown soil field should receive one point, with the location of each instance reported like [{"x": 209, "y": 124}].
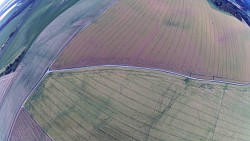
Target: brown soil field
[
  {"x": 114, "y": 103},
  {"x": 184, "y": 36},
  {"x": 26, "y": 129}
]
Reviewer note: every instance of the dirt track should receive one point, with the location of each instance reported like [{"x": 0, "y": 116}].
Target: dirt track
[{"x": 42, "y": 53}]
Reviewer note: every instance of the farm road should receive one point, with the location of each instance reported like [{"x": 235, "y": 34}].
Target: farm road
[
  {"x": 153, "y": 69},
  {"x": 45, "y": 49},
  {"x": 41, "y": 54}
]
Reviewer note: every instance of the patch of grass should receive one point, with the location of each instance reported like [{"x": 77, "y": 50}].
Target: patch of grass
[
  {"x": 187, "y": 81},
  {"x": 225, "y": 87}
]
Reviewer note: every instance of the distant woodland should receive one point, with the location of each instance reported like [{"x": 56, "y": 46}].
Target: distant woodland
[{"x": 239, "y": 13}]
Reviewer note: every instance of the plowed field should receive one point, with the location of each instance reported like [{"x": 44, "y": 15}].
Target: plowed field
[
  {"x": 26, "y": 129},
  {"x": 185, "y": 36}
]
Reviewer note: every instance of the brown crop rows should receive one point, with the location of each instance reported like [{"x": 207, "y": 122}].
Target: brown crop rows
[
  {"x": 26, "y": 129},
  {"x": 188, "y": 37}
]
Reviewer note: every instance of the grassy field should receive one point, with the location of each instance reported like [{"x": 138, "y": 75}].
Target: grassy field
[
  {"x": 32, "y": 26},
  {"x": 5, "y": 32},
  {"x": 112, "y": 103},
  {"x": 26, "y": 129},
  {"x": 188, "y": 37},
  {"x": 41, "y": 54}
]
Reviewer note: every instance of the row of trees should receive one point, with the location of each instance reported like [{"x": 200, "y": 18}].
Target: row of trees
[{"x": 13, "y": 66}]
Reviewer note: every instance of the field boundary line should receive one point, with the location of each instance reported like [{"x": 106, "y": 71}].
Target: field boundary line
[
  {"x": 152, "y": 69},
  {"x": 219, "y": 111},
  {"x": 22, "y": 107},
  {"x": 47, "y": 72},
  {"x": 12, "y": 126},
  {"x": 57, "y": 55},
  {"x": 37, "y": 123}
]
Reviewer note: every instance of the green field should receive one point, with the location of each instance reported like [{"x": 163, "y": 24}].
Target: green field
[
  {"x": 112, "y": 103},
  {"x": 4, "y": 34},
  {"x": 40, "y": 16}
]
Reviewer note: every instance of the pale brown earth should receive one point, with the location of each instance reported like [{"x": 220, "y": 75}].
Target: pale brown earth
[
  {"x": 184, "y": 36},
  {"x": 5, "y": 83},
  {"x": 114, "y": 103},
  {"x": 26, "y": 129}
]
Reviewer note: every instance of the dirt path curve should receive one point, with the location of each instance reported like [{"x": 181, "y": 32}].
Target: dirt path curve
[
  {"x": 153, "y": 69},
  {"x": 42, "y": 53}
]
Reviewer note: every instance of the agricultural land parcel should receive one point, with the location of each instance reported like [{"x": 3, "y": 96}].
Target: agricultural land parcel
[
  {"x": 26, "y": 129},
  {"x": 5, "y": 83},
  {"x": 5, "y": 32},
  {"x": 115, "y": 103},
  {"x": 30, "y": 28},
  {"x": 184, "y": 36},
  {"x": 41, "y": 54}
]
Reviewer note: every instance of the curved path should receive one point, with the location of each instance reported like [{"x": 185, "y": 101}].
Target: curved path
[
  {"x": 41, "y": 54},
  {"x": 155, "y": 69},
  {"x": 26, "y": 129},
  {"x": 55, "y": 37}
]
